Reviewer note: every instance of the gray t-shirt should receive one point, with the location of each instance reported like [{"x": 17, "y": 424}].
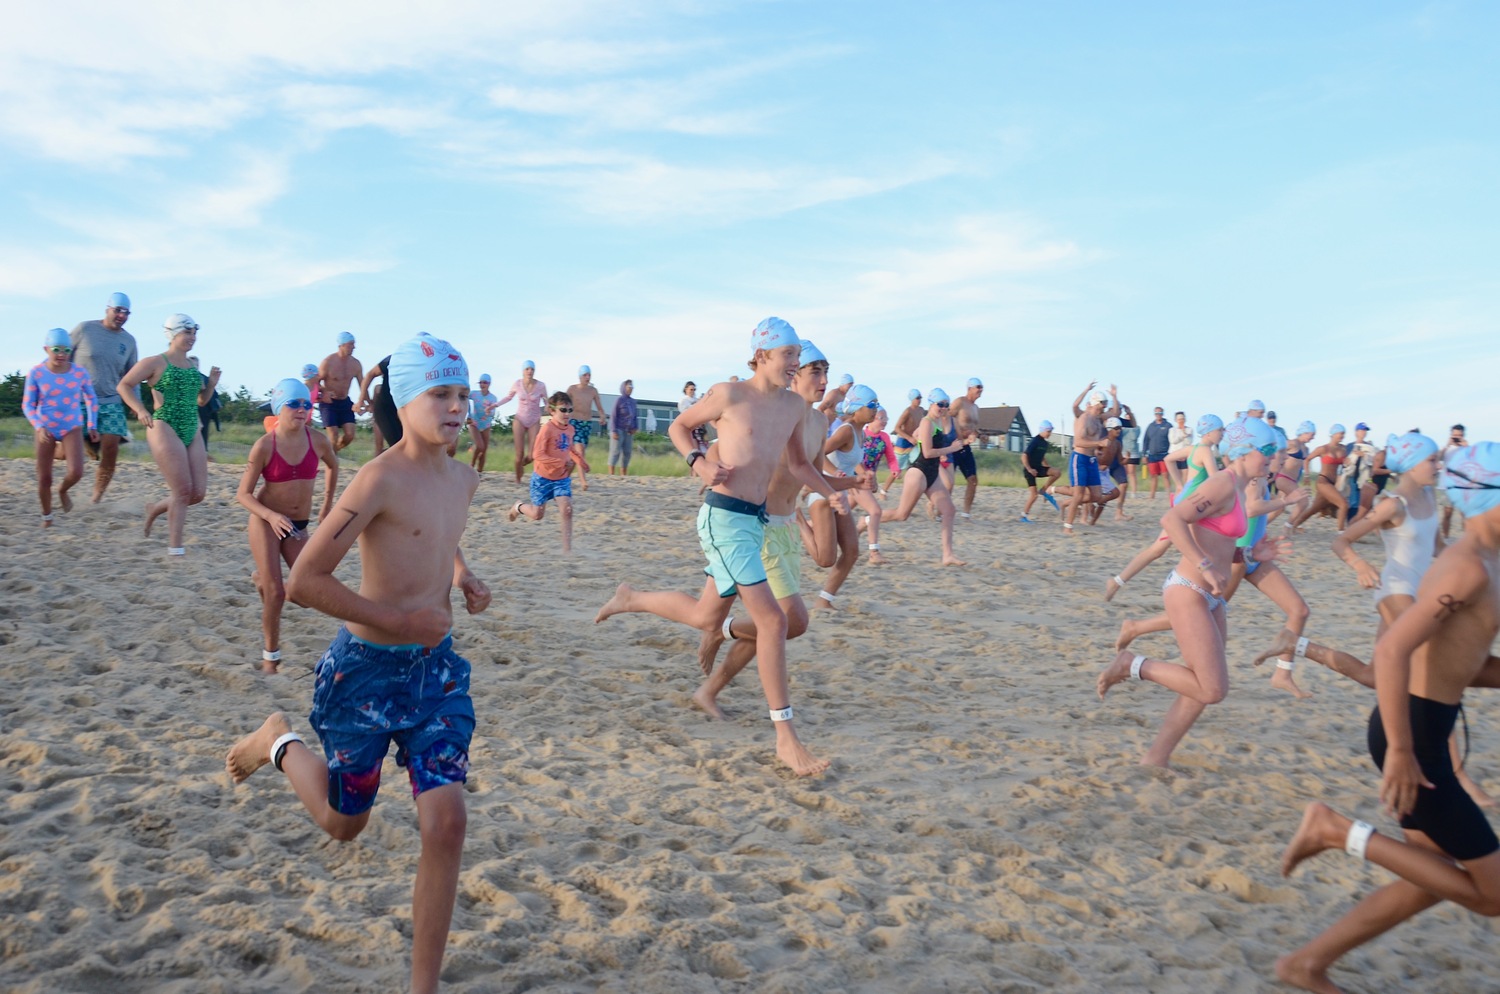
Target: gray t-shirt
[{"x": 107, "y": 355}]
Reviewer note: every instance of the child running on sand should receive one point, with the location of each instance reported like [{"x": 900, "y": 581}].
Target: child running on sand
[
  {"x": 287, "y": 458},
  {"x": 391, "y": 674},
  {"x": 759, "y": 420},
  {"x": 53, "y": 400},
  {"x": 550, "y": 479},
  {"x": 1427, "y": 658}
]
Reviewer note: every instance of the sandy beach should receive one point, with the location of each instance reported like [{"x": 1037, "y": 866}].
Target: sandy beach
[{"x": 985, "y": 825}]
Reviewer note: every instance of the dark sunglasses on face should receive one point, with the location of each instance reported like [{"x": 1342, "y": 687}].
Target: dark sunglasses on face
[
  {"x": 563, "y": 410},
  {"x": 299, "y": 405},
  {"x": 943, "y": 407}
]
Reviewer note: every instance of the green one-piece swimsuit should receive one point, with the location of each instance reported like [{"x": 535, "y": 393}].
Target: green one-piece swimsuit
[{"x": 179, "y": 387}]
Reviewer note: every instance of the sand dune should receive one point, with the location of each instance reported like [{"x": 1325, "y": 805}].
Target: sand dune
[{"x": 985, "y": 826}]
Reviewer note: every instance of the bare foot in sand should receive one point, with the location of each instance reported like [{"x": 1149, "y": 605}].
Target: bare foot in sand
[
  {"x": 152, "y": 513},
  {"x": 254, "y": 750},
  {"x": 794, "y": 754},
  {"x": 616, "y": 604},
  {"x": 1294, "y": 971},
  {"x": 708, "y": 650},
  {"x": 514, "y": 512},
  {"x": 876, "y": 559},
  {"x": 1127, "y": 635},
  {"x": 1123, "y": 517},
  {"x": 704, "y": 698},
  {"x": 1116, "y": 672},
  {"x": 953, "y": 561},
  {"x": 47, "y": 521},
  {"x": 65, "y": 499},
  {"x": 819, "y": 604},
  {"x": 1282, "y": 680},
  {"x": 1320, "y": 824}
]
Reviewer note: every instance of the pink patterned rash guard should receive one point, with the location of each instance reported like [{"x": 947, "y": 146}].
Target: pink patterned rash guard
[
  {"x": 55, "y": 402},
  {"x": 877, "y": 447},
  {"x": 531, "y": 406}
]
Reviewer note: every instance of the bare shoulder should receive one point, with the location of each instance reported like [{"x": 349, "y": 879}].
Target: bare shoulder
[
  {"x": 1458, "y": 577},
  {"x": 321, "y": 445},
  {"x": 464, "y": 475}
]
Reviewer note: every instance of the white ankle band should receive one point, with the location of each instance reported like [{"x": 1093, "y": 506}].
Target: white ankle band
[
  {"x": 1284, "y": 664},
  {"x": 176, "y": 552},
  {"x": 278, "y": 748},
  {"x": 826, "y": 596},
  {"x": 728, "y": 627},
  {"x": 1301, "y": 650},
  {"x": 874, "y": 546},
  {"x": 46, "y": 517},
  {"x": 1119, "y": 580},
  {"x": 1135, "y": 667},
  {"x": 271, "y": 655},
  {"x": 782, "y": 714},
  {"x": 1358, "y": 838}
]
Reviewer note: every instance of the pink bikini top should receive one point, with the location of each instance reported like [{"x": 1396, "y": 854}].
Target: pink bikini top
[{"x": 1231, "y": 524}]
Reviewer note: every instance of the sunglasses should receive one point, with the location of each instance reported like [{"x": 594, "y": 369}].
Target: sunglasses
[
  {"x": 299, "y": 404},
  {"x": 59, "y": 349},
  {"x": 563, "y": 410},
  {"x": 943, "y": 406}
]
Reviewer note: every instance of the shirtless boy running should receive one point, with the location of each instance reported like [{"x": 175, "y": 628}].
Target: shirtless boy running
[
  {"x": 1427, "y": 658},
  {"x": 758, "y": 421},
  {"x": 391, "y": 674}
]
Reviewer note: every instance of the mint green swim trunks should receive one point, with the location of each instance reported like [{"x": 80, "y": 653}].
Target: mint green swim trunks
[{"x": 731, "y": 531}]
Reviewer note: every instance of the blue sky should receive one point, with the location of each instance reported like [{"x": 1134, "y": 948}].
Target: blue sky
[{"x": 1203, "y": 203}]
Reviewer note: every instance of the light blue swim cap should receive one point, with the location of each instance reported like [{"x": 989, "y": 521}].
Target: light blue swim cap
[
  {"x": 1255, "y": 405},
  {"x": 860, "y": 396},
  {"x": 846, "y": 380},
  {"x": 309, "y": 371},
  {"x": 1245, "y": 435},
  {"x": 57, "y": 337},
  {"x": 1307, "y": 428},
  {"x": 913, "y": 394},
  {"x": 1044, "y": 426},
  {"x": 528, "y": 364},
  {"x": 1472, "y": 478},
  {"x": 975, "y": 381},
  {"x": 772, "y": 333},
  {"x": 421, "y": 363},
  {"x": 485, "y": 378},
  {"x": 810, "y": 352},
  {"x": 1402, "y": 452},
  {"x": 938, "y": 396},
  {"x": 119, "y": 300},
  {"x": 1206, "y": 424},
  {"x": 288, "y": 389},
  {"x": 585, "y": 371},
  {"x": 346, "y": 338},
  {"x": 1336, "y": 429}
]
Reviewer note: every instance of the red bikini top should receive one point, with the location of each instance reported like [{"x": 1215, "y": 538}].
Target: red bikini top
[{"x": 278, "y": 470}]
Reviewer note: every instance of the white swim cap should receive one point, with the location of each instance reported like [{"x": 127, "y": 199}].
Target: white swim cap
[
  {"x": 1113, "y": 423},
  {"x": 1097, "y": 397},
  {"x": 177, "y": 324}
]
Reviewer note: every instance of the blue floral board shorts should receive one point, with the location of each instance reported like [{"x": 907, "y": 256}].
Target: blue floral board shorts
[
  {"x": 582, "y": 431},
  {"x": 543, "y": 489},
  {"x": 366, "y": 696}
]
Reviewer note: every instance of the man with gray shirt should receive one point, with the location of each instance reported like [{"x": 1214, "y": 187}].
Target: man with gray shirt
[{"x": 107, "y": 351}]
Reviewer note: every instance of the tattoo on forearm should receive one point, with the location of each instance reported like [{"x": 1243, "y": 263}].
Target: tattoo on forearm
[
  {"x": 346, "y": 524},
  {"x": 1450, "y": 606}
]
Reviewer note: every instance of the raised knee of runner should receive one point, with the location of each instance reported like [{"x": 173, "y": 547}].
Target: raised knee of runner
[{"x": 1212, "y": 692}]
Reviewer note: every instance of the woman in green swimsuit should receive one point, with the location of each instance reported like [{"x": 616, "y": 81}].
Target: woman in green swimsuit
[{"x": 172, "y": 432}]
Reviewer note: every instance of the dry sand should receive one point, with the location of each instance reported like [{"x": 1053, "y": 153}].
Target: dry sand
[{"x": 985, "y": 826}]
